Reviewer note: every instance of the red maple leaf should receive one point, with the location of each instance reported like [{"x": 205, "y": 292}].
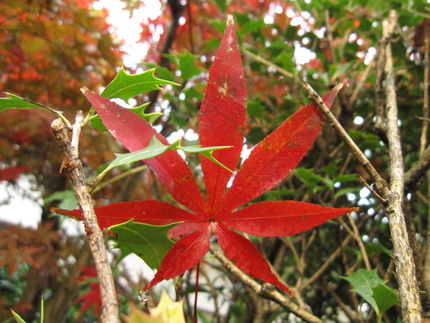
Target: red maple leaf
[
  {"x": 92, "y": 296},
  {"x": 222, "y": 121},
  {"x": 12, "y": 173}
]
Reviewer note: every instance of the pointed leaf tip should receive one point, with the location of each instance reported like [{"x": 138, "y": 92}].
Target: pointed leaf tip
[
  {"x": 338, "y": 87},
  {"x": 230, "y": 20},
  {"x": 223, "y": 114},
  {"x": 84, "y": 90}
]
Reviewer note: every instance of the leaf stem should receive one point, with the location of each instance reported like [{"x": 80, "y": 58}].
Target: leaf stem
[
  {"x": 90, "y": 114},
  {"x": 58, "y": 113}
]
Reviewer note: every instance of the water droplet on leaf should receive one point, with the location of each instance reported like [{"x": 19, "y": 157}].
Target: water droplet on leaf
[{"x": 143, "y": 295}]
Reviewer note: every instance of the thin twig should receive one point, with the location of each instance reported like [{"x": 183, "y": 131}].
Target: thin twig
[
  {"x": 357, "y": 88},
  {"x": 214, "y": 294},
  {"x": 330, "y": 36},
  {"x": 73, "y": 166},
  {"x": 422, "y": 118},
  {"x": 370, "y": 188},
  {"x": 424, "y": 130},
  {"x": 359, "y": 241},
  {"x": 418, "y": 170},
  {"x": 380, "y": 183}
]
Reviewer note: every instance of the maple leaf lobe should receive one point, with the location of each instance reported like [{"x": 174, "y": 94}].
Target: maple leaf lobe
[{"x": 223, "y": 115}]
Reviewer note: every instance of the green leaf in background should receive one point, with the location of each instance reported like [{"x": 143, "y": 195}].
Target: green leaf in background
[
  {"x": 149, "y": 242},
  {"x": 372, "y": 288},
  {"x": 162, "y": 72},
  {"x": 222, "y": 5},
  {"x": 338, "y": 69},
  {"x": 186, "y": 66},
  {"x": 67, "y": 198},
  {"x": 126, "y": 86},
  {"x": 255, "y": 109},
  {"x": 97, "y": 123},
  {"x": 346, "y": 178},
  {"x": 363, "y": 282},
  {"x": 372, "y": 248},
  {"x": 312, "y": 180},
  {"x": 347, "y": 190}
]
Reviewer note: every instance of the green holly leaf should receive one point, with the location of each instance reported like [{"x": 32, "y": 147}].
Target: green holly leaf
[
  {"x": 313, "y": 181},
  {"x": 186, "y": 66},
  {"x": 16, "y": 102},
  {"x": 126, "y": 86},
  {"x": 149, "y": 117},
  {"x": 206, "y": 152},
  {"x": 385, "y": 297},
  {"x": 67, "y": 199},
  {"x": 156, "y": 148},
  {"x": 372, "y": 288},
  {"x": 149, "y": 242}
]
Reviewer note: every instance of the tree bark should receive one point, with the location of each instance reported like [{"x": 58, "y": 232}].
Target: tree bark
[
  {"x": 73, "y": 166},
  {"x": 402, "y": 252}
]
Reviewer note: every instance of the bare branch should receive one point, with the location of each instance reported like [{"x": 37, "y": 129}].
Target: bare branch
[
  {"x": 418, "y": 170},
  {"x": 402, "y": 252},
  {"x": 73, "y": 166}
]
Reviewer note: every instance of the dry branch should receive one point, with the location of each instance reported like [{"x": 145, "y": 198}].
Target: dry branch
[
  {"x": 402, "y": 252},
  {"x": 73, "y": 166}
]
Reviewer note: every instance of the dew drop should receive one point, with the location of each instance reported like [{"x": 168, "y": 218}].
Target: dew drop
[{"x": 143, "y": 295}]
